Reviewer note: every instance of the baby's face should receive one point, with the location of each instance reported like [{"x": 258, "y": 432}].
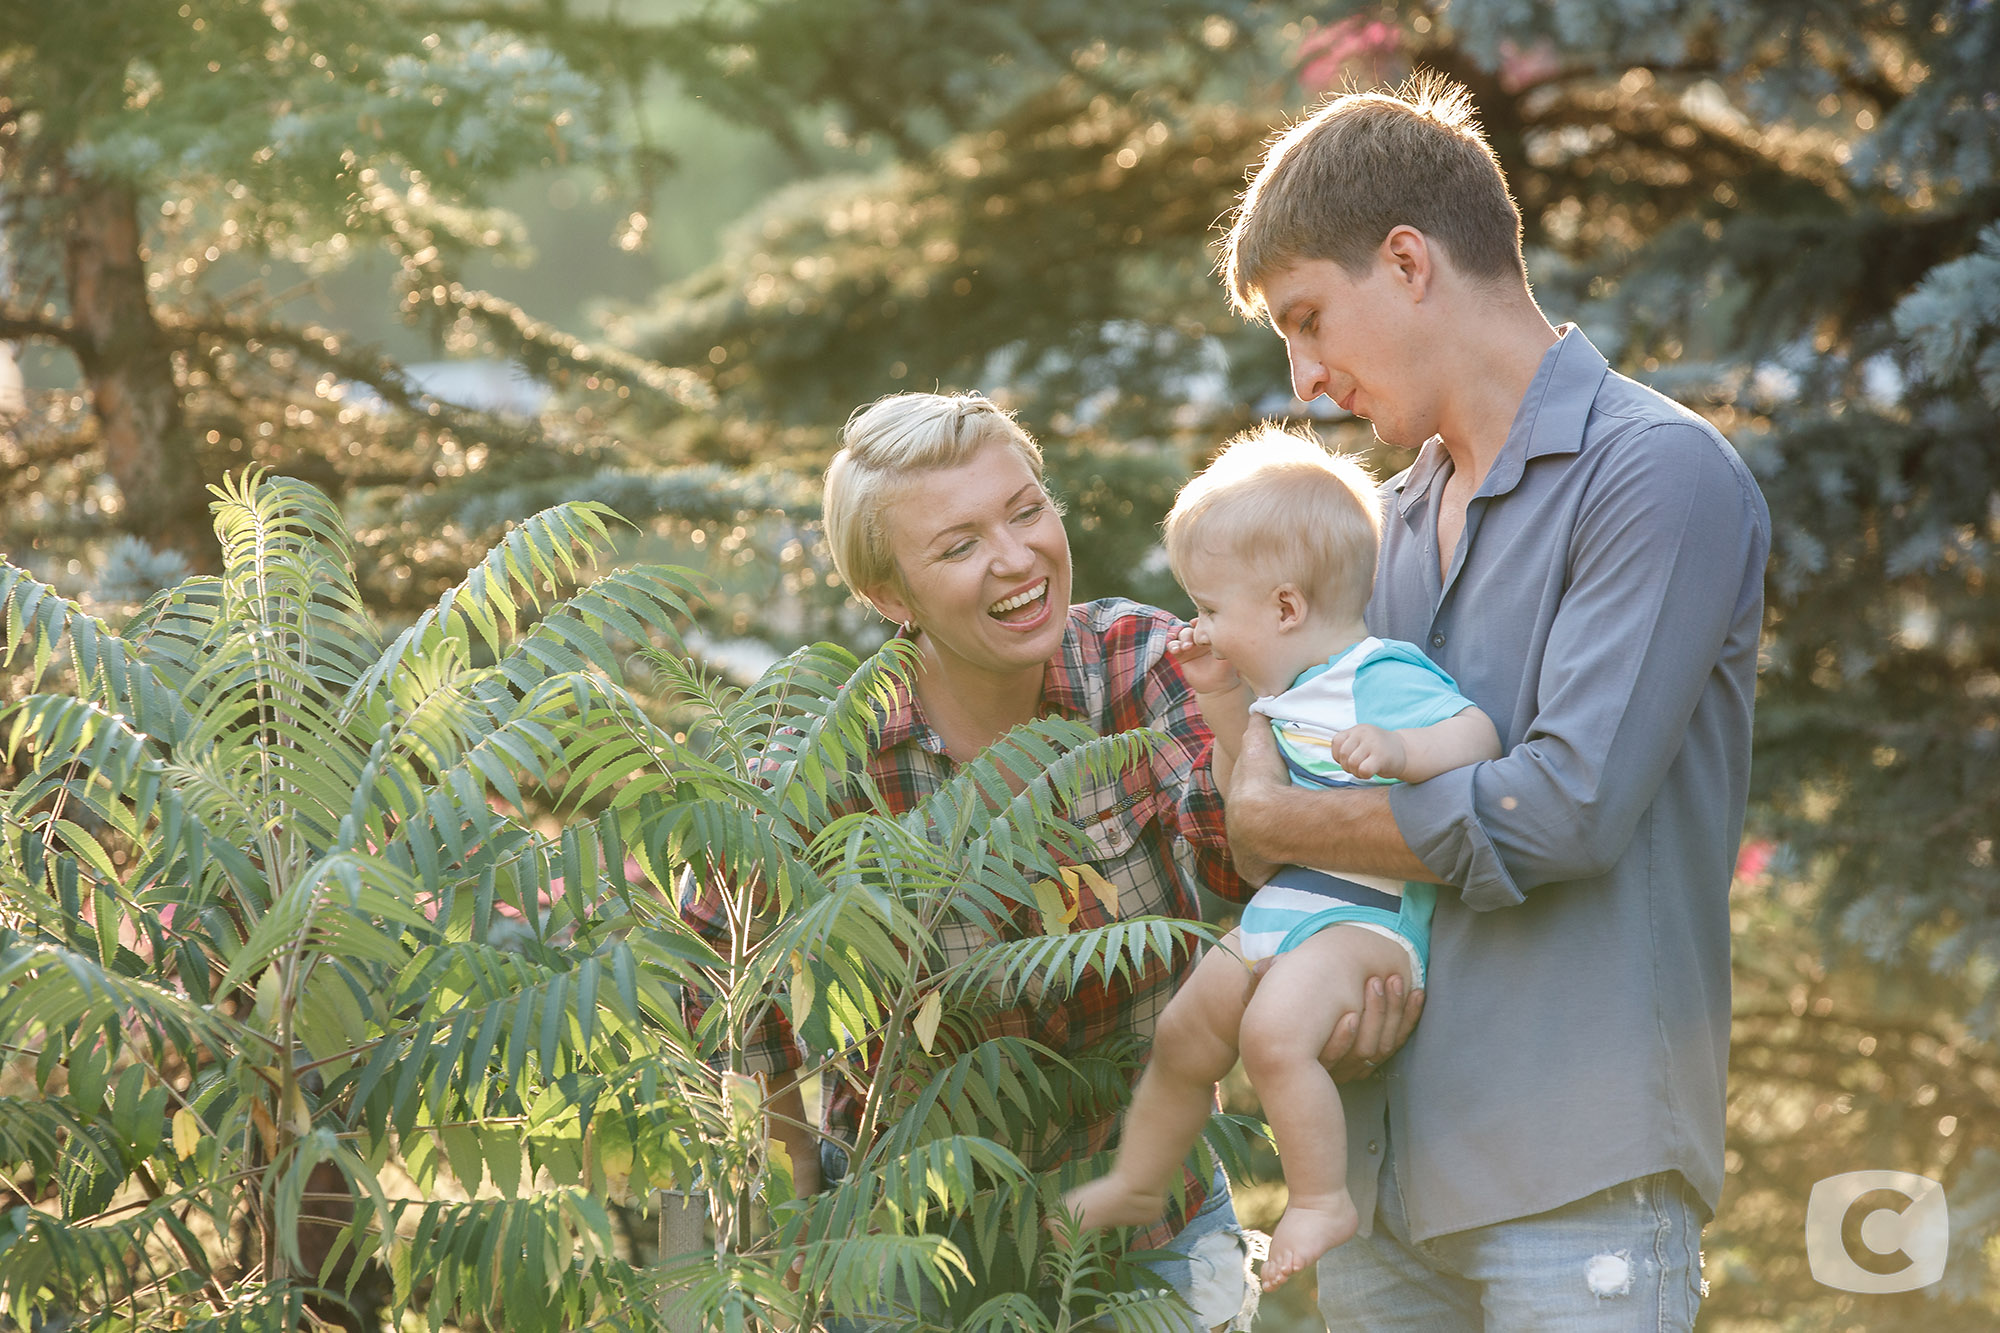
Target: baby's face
[{"x": 1237, "y": 613}]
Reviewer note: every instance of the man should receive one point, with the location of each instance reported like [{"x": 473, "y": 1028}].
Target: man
[{"x": 1585, "y": 558}]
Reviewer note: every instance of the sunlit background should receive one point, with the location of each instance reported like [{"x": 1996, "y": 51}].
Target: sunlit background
[{"x": 455, "y": 261}]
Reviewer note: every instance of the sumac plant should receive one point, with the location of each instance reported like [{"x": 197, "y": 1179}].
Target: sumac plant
[{"x": 344, "y": 976}]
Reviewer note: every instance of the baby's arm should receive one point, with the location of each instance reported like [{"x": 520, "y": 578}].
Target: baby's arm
[
  {"x": 1220, "y": 694},
  {"x": 1415, "y": 754}
]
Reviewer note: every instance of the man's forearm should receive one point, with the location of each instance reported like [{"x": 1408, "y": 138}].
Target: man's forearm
[{"x": 1273, "y": 823}]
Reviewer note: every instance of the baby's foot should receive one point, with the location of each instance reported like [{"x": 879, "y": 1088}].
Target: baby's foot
[
  {"x": 1108, "y": 1202},
  {"x": 1305, "y": 1232}
]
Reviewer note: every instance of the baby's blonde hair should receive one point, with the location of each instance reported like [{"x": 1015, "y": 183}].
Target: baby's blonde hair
[{"x": 1280, "y": 502}]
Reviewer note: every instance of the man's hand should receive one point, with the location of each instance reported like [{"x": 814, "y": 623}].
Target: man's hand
[
  {"x": 1368, "y": 751},
  {"x": 1258, "y": 806},
  {"x": 1362, "y": 1042},
  {"x": 1206, "y": 673}
]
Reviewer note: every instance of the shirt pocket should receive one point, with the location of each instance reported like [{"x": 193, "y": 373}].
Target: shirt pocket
[{"x": 1113, "y": 823}]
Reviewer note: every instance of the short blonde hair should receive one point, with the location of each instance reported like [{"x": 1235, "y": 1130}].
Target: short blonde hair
[
  {"x": 881, "y": 445},
  {"x": 1335, "y": 184},
  {"x": 1278, "y": 501}
]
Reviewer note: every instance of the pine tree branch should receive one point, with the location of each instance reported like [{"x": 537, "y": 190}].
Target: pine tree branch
[{"x": 17, "y": 325}]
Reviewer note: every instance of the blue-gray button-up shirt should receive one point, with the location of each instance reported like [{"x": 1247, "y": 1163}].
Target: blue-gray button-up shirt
[{"x": 1603, "y": 607}]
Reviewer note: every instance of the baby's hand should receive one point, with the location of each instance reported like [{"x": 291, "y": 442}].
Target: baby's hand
[
  {"x": 1206, "y": 673},
  {"x": 1369, "y": 752}
]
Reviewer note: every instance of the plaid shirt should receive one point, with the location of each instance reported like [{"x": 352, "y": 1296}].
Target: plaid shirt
[{"x": 1156, "y": 828}]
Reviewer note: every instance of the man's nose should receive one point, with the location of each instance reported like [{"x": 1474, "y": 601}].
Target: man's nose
[{"x": 1308, "y": 376}]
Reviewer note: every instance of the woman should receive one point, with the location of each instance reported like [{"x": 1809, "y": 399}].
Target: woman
[{"x": 938, "y": 518}]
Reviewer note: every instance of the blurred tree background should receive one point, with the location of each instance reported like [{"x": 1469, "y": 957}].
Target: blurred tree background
[{"x": 358, "y": 240}]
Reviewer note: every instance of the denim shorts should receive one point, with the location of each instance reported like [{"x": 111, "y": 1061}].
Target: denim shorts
[{"x": 1208, "y": 1263}]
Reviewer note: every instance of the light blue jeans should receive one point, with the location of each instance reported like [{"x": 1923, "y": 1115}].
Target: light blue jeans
[
  {"x": 1208, "y": 1263},
  {"x": 1621, "y": 1260}
]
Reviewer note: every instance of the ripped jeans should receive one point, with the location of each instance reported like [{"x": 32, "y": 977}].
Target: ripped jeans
[{"x": 1621, "y": 1260}]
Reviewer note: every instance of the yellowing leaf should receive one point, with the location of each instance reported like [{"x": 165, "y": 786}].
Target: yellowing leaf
[
  {"x": 187, "y": 1133},
  {"x": 802, "y": 988},
  {"x": 267, "y": 1128},
  {"x": 746, "y": 1097},
  {"x": 298, "y": 1113},
  {"x": 1056, "y": 909},
  {"x": 928, "y": 1014},
  {"x": 1081, "y": 877}
]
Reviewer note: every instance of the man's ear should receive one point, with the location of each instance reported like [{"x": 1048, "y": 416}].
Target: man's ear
[
  {"x": 1292, "y": 607},
  {"x": 1411, "y": 260}
]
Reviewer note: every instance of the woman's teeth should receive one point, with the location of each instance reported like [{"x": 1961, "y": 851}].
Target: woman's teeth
[{"x": 1017, "y": 602}]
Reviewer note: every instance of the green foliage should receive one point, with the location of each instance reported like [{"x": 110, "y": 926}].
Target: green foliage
[
  {"x": 266, "y": 931},
  {"x": 165, "y": 165},
  {"x": 837, "y": 914},
  {"x": 1780, "y": 213},
  {"x": 291, "y": 987}
]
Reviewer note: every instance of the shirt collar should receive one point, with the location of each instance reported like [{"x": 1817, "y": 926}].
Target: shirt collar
[
  {"x": 1067, "y": 678},
  {"x": 1550, "y": 420}
]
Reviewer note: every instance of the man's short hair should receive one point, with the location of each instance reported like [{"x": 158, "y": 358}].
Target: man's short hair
[
  {"x": 883, "y": 444},
  {"x": 1279, "y": 502},
  {"x": 1335, "y": 184}
]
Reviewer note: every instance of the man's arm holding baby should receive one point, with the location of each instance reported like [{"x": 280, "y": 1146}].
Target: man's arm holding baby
[
  {"x": 1274, "y": 823},
  {"x": 1361, "y": 1041}
]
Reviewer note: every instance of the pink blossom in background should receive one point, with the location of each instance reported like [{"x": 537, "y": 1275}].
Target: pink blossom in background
[
  {"x": 1358, "y": 40},
  {"x": 1525, "y": 68},
  {"x": 1755, "y": 857}
]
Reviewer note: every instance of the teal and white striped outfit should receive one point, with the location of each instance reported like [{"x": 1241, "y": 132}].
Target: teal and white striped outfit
[{"x": 1386, "y": 683}]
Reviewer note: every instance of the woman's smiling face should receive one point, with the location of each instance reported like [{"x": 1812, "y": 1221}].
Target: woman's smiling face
[{"x": 984, "y": 562}]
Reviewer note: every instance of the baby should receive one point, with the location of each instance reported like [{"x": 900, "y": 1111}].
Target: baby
[{"x": 1275, "y": 543}]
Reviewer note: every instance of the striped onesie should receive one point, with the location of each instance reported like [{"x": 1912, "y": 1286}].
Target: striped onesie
[{"x": 1388, "y": 684}]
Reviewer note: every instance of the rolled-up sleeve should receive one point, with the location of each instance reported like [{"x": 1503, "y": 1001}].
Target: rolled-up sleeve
[{"x": 1663, "y": 535}]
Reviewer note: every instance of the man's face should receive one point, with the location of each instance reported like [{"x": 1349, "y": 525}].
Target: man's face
[{"x": 1357, "y": 341}]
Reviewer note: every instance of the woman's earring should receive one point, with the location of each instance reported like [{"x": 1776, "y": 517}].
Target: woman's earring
[{"x": 908, "y": 632}]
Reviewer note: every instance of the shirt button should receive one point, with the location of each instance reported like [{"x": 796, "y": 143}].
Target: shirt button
[
  {"x": 1373, "y": 1146},
  {"x": 1437, "y": 640}
]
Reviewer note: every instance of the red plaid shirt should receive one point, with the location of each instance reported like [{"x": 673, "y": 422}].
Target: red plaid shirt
[{"x": 1157, "y": 829}]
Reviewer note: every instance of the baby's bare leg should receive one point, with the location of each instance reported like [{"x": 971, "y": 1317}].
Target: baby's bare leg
[
  {"x": 1296, "y": 1006},
  {"x": 1194, "y": 1045}
]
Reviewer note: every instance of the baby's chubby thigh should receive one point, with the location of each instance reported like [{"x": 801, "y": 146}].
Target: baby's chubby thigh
[
  {"x": 1293, "y": 1011},
  {"x": 1196, "y": 1033}
]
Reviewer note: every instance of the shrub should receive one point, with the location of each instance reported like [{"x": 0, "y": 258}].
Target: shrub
[{"x": 277, "y": 938}]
